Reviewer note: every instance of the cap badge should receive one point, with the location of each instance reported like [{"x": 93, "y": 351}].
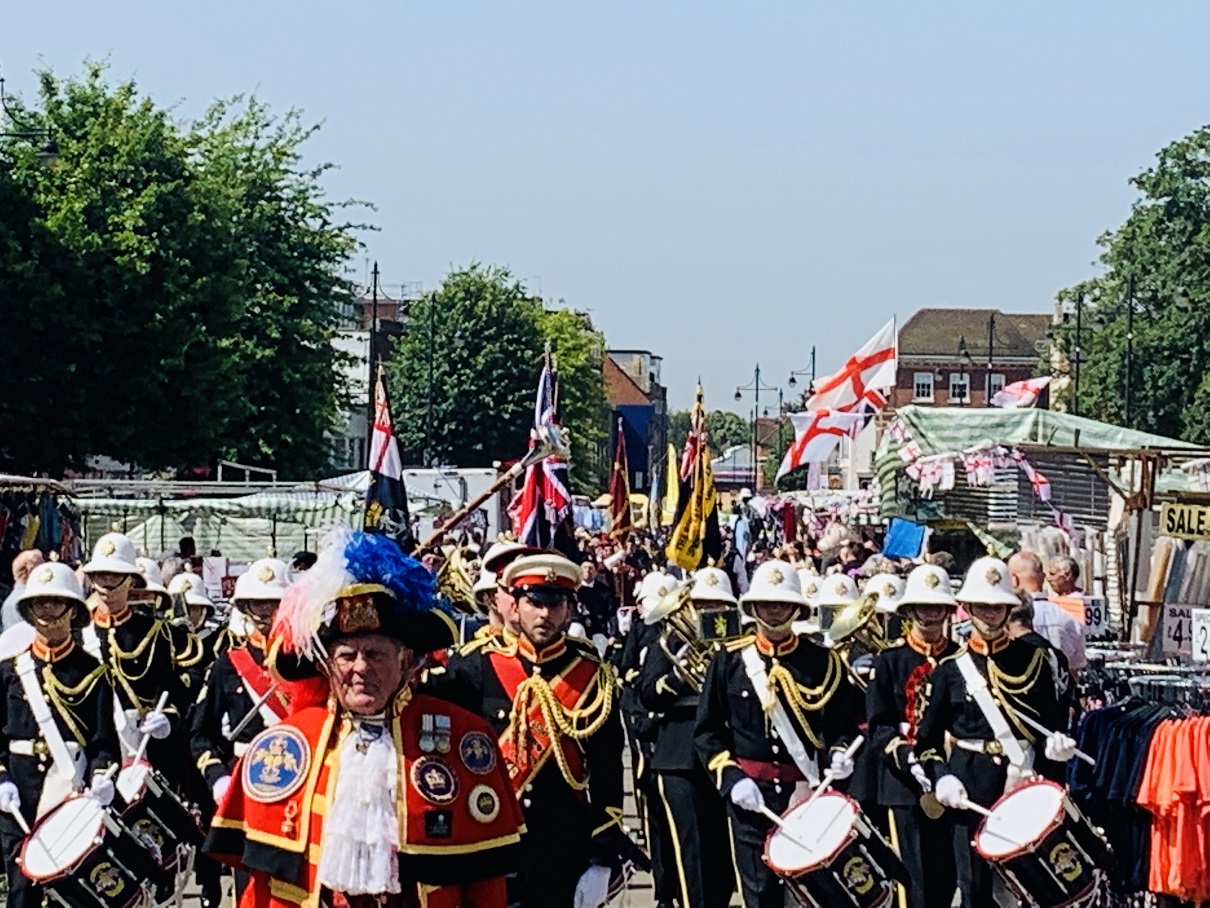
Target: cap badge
[
  {"x": 993, "y": 576},
  {"x": 812, "y": 589},
  {"x": 46, "y": 575},
  {"x": 841, "y": 588},
  {"x": 551, "y": 575},
  {"x": 265, "y": 575},
  {"x": 776, "y": 577},
  {"x": 889, "y": 590},
  {"x": 107, "y": 547},
  {"x": 710, "y": 580},
  {"x": 932, "y": 581},
  {"x": 357, "y": 613}
]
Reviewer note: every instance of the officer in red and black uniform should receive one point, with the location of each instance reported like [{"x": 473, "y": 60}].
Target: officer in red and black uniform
[
  {"x": 551, "y": 703},
  {"x": 382, "y": 797},
  {"x": 750, "y": 761},
  {"x": 920, "y": 828}
]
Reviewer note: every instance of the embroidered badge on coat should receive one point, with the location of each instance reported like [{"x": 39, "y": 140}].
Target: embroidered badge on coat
[
  {"x": 478, "y": 752},
  {"x": 435, "y": 781},
  {"x": 276, "y": 764},
  {"x": 483, "y": 803}
]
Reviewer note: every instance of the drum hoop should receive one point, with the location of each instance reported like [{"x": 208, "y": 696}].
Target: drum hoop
[
  {"x": 822, "y": 862},
  {"x": 1026, "y": 847},
  {"x": 100, "y": 832}
]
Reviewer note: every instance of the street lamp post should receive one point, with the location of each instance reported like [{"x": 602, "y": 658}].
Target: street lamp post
[
  {"x": 964, "y": 360},
  {"x": 793, "y": 372},
  {"x": 756, "y": 387}
]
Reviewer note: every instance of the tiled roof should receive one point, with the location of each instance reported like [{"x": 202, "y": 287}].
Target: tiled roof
[
  {"x": 936, "y": 332},
  {"x": 620, "y": 389}
]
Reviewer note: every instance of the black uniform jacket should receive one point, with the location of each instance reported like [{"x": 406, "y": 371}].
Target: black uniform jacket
[
  {"x": 139, "y": 652},
  {"x": 666, "y": 695},
  {"x": 222, "y": 704},
  {"x": 731, "y": 724},
  {"x": 1019, "y": 677},
  {"x": 893, "y": 702},
  {"x": 81, "y": 701},
  {"x": 551, "y": 806}
]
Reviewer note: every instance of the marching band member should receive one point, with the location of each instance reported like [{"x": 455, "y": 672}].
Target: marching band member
[
  {"x": 137, "y": 649},
  {"x": 978, "y": 697},
  {"x": 771, "y": 707},
  {"x": 187, "y": 651},
  {"x": 382, "y": 797},
  {"x": 197, "y": 615},
  {"x": 696, "y": 817},
  {"x": 920, "y": 831},
  {"x": 56, "y": 718},
  {"x": 551, "y": 704}
]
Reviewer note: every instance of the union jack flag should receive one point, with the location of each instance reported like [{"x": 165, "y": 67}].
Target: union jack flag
[{"x": 545, "y": 498}]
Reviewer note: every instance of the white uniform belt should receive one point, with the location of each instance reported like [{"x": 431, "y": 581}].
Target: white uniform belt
[
  {"x": 240, "y": 749},
  {"x": 991, "y": 747},
  {"x": 37, "y": 747}
]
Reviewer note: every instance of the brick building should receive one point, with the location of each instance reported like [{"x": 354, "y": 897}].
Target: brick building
[{"x": 960, "y": 357}]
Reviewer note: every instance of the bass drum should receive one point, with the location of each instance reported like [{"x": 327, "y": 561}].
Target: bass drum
[
  {"x": 1043, "y": 847},
  {"x": 829, "y": 855},
  {"x": 84, "y": 857}
]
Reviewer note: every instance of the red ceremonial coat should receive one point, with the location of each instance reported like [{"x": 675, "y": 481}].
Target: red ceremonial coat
[{"x": 460, "y": 825}]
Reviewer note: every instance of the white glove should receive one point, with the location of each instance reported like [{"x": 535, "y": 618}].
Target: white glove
[
  {"x": 219, "y": 789},
  {"x": 842, "y": 765},
  {"x": 624, "y": 618},
  {"x": 746, "y": 795},
  {"x": 10, "y": 798},
  {"x": 951, "y": 792},
  {"x": 156, "y": 724},
  {"x": 1059, "y": 747},
  {"x": 101, "y": 789},
  {"x": 593, "y": 888},
  {"x": 921, "y": 777}
]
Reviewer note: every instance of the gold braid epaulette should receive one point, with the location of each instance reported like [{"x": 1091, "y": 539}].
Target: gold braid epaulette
[
  {"x": 802, "y": 700},
  {"x": 1009, "y": 690},
  {"x": 63, "y": 698},
  {"x": 577, "y": 723},
  {"x": 192, "y": 655}
]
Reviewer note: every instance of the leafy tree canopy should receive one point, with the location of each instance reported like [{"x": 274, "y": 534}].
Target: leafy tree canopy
[{"x": 724, "y": 429}]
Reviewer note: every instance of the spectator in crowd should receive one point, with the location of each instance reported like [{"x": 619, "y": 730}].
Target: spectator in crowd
[
  {"x": 1049, "y": 620},
  {"x": 23, "y": 566},
  {"x": 1062, "y": 575}
]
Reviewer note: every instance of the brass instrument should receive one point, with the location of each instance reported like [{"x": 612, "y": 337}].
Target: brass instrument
[
  {"x": 857, "y": 634},
  {"x": 690, "y": 636},
  {"x": 456, "y": 580}
]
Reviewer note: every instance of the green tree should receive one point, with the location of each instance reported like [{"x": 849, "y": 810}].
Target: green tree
[
  {"x": 724, "y": 429},
  {"x": 174, "y": 286},
  {"x": 463, "y": 375},
  {"x": 1158, "y": 263},
  {"x": 579, "y": 351}
]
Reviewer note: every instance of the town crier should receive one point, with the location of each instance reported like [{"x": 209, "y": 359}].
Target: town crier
[{"x": 382, "y": 796}]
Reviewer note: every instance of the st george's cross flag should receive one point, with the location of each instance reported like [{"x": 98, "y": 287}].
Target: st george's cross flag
[
  {"x": 861, "y": 382},
  {"x": 816, "y": 435},
  {"x": 1020, "y": 393}
]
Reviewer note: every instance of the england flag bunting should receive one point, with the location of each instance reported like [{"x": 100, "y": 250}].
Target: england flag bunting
[
  {"x": 545, "y": 498},
  {"x": 1020, "y": 393}
]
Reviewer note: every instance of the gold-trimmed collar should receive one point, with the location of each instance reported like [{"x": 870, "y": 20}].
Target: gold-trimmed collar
[
  {"x": 769, "y": 648},
  {"x": 987, "y": 648},
  {"x": 526, "y": 650},
  {"x": 932, "y": 650},
  {"x": 103, "y": 617},
  {"x": 44, "y": 653}
]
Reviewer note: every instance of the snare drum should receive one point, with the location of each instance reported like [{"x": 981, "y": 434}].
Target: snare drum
[
  {"x": 829, "y": 855},
  {"x": 156, "y": 816},
  {"x": 1043, "y": 847},
  {"x": 84, "y": 857}
]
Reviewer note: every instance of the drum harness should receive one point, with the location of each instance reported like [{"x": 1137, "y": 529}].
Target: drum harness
[
  {"x": 1004, "y": 739},
  {"x": 69, "y": 767},
  {"x": 755, "y": 668}
]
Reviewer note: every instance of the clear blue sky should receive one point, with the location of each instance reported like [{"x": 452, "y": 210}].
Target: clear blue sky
[{"x": 721, "y": 183}]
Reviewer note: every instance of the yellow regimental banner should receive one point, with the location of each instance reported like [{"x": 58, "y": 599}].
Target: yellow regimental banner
[
  {"x": 672, "y": 488},
  {"x": 688, "y": 537}
]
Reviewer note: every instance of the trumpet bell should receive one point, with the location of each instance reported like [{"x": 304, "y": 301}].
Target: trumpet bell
[
  {"x": 851, "y": 619},
  {"x": 669, "y": 604}
]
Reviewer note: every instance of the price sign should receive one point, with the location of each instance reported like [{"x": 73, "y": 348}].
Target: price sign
[
  {"x": 1096, "y": 616},
  {"x": 1201, "y": 634},
  {"x": 1178, "y": 630}
]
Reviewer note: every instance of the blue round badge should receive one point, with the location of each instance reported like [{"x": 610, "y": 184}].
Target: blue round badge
[
  {"x": 478, "y": 752},
  {"x": 276, "y": 764},
  {"x": 435, "y": 781}
]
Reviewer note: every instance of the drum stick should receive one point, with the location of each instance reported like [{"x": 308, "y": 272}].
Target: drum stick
[
  {"x": 16, "y": 812},
  {"x": 829, "y": 777},
  {"x": 159, "y": 707},
  {"x": 785, "y": 830},
  {"x": 1043, "y": 730},
  {"x": 243, "y": 723},
  {"x": 971, "y": 805}
]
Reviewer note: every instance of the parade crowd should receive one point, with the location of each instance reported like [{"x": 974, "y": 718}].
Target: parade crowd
[{"x": 831, "y": 726}]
